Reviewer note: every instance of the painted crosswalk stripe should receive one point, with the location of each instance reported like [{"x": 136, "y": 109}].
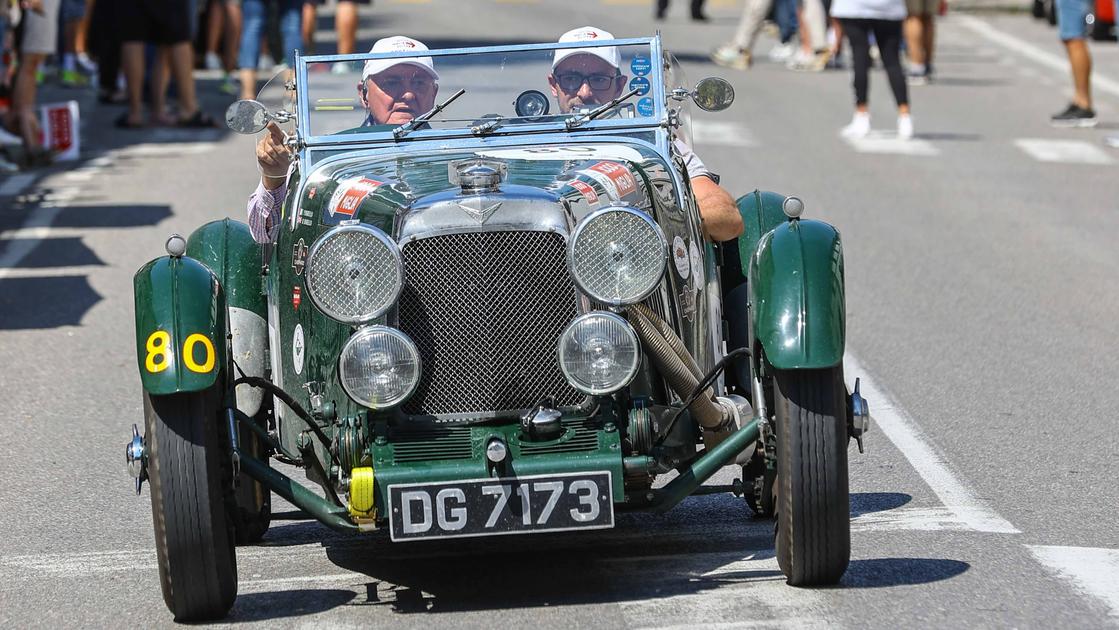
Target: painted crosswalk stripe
[
  {"x": 896, "y": 424},
  {"x": 1064, "y": 151},
  {"x": 1092, "y": 570},
  {"x": 721, "y": 133},
  {"x": 888, "y": 142}
]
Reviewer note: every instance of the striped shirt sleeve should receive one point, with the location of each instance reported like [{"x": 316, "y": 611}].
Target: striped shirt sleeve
[{"x": 264, "y": 210}]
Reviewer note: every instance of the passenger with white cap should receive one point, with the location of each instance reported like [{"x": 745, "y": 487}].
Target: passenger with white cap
[
  {"x": 392, "y": 92},
  {"x": 588, "y": 77}
]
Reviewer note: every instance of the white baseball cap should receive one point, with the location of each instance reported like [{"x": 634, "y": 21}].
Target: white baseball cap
[
  {"x": 397, "y": 43},
  {"x": 609, "y": 54}
]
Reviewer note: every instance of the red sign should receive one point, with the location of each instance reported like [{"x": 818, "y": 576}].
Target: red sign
[
  {"x": 347, "y": 203},
  {"x": 296, "y": 297},
  {"x": 61, "y": 138},
  {"x": 586, "y": 190},
  {"x": 620, "y": 175}
]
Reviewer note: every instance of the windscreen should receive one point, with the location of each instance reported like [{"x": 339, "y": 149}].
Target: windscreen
[{"x": 375, "y": 94}]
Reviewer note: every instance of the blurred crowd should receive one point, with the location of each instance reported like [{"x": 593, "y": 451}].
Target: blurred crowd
[{"x": 138, "y": 53}]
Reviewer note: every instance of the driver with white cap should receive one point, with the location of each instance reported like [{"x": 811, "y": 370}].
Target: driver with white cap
[
  {"x": 588, "y": 77},
  {"x": 392, "y": 92}
]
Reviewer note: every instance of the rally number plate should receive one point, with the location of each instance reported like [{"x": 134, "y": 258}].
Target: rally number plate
[{"x": 510, "y": 505}]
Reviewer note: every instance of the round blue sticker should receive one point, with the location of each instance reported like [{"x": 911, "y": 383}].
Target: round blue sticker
[
  {"x": 645, "y": 106},
  {"x": 640, "y": 66},
  {"x": 641, "y": 84}
]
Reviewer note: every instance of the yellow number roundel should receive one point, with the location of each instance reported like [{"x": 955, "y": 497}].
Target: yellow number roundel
[
  {"x": 159, "y": 351},
  {"x": 188, "y": 354}
]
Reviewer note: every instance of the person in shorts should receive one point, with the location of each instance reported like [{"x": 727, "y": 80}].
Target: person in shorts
[
  {"x": 345, "y": 25},
  {"x": 1072, "y": 26},
  {"x": 168, "y": 24},
  {"x": 36, "y": 37},
  {"x": 920, "y": 33}
]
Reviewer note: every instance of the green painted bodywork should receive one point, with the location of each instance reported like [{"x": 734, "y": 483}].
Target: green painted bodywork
[
  {"x": 228, "y": 249},
  {"x": 798, "y": 312},
  {"x": 183, "y": 297},
  {"x": 761, "y": 212}
]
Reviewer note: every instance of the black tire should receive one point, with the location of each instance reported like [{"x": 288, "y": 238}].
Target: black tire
[
  {"x": 253, "y": 501},
  {"x": 193, "y": 532},
  {"x": 813, "y": 509}
]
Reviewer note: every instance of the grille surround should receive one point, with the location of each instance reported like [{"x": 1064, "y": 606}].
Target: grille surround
[{"x": 486, "y": 309}]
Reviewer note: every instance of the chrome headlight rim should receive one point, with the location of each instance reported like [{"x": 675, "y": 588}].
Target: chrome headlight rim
[
  {"x": 631, "y": 333},
  {"x": 368, "y": 331},
  {"x": 581, "y": 227},
  {"x": 398, "y": 271}
]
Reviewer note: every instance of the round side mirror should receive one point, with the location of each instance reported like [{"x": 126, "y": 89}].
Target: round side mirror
[
  {"x": 531, "y": 104},
  {"x": 247, "y": 117},
  {"x": 713, "y": 94}
]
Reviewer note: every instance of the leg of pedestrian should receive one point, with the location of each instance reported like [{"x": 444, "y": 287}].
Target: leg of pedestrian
[
  {"x": 252, "y": 27},
  {"x": 888, "y": 34},
  {"x": 40, "y": 33},
  {"x": 858, "y": 37},
  {"x": 738, "y": 53},
  {"x": 1072, "y": 26},
  {"x": 345, "y": 23}
]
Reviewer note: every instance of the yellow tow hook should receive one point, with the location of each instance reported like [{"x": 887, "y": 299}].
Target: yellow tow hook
[{"x": 363, "y": 507}]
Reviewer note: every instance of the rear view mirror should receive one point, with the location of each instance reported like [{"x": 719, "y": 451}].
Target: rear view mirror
[
  {"x": 247, "y": 117},
  {"x": 713, "y": 94}
]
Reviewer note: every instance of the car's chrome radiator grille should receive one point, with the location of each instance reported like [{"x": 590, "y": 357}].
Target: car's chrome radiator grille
[{"x": 486, "y": 310}]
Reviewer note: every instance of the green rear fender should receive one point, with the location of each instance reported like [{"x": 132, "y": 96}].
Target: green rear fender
[
  {"x": 180, "y": 326},
  {"x": 797, "y": 295}
]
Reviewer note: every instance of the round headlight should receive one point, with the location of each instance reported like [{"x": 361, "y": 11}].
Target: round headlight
[
  {"x": 354, "y": 273},
  {"x": 617, "y": 255},
  {"x": 379, "y": 367},
  {"x": 598, "y": 353}
]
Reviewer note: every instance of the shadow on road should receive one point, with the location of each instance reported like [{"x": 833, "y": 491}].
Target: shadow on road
[
  {"x": 881, "y": 572},
  {"x": 46, "y": 302},
  {"x": 284, "y": 604},
  {"x": 114, "y": 216}
]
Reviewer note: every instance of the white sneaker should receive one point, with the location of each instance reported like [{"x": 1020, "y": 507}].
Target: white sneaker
[
  {"x": 340, "y": 67},
  {"x": 782, "y": 52},
  {"x": 213, "y": 61},
  {"x": 905, "y": 127},
  {"x": 266, "y": 63},
  {"x": 87, "y": 65},
  {"x": 859, "y": 126}
]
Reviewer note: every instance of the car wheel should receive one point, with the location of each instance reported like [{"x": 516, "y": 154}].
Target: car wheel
[
  {"x": 813, "y": 510},
  {"x": 193, "y": 533},
  {"x": 253, "y": 513}
]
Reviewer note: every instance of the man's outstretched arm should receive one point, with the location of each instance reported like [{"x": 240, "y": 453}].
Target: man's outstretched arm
[{"x": 721, "y": 220}]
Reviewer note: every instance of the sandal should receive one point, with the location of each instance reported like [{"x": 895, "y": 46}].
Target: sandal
[
  {"x": 122, "y": 122},
  {"x": 200, "y": 120}
]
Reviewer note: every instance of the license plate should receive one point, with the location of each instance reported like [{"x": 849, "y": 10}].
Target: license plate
[{"x": 511, "y": 505}]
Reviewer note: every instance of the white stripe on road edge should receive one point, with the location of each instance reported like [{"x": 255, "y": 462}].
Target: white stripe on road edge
[
  {"x": 1028, "y": 50},
  {"x": 1063, "y": 151},
  {"x": 1094, "y": 571},
  {"x": 888, "y": 142},
  {"x": 901, "y": 429}
]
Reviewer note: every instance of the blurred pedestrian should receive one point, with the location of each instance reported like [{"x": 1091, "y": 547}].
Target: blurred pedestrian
[
  {"x": 223, "y": 38},
  {"x": 813, "y": 54},
  {"x": 71, "y": 14},
  {"x": 37, "y": 35},
  {"x": 920, "y": 36},
  {"x": 1072, "y": 26},
  {"x": 254, "y": 18},
  {"x": 696, "y": 8},
  {"x": 168, "y": 25},
  {"x": 739, "y": 51},
  {"x": 882, "y": 18},
  {"x": 345, "y": 26},
  {"x": 105, "y": 43}
]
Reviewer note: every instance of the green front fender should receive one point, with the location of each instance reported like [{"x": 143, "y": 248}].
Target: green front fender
[
  {"x": 797, "y": 295},
  {"x": 180, "y": 326}
]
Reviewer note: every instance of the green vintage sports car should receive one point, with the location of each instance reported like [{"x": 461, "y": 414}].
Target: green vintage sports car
[{"x": 497, "y": 320}]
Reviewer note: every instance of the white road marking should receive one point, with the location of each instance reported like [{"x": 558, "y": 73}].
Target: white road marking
[
  {"x": 721, "y": 133},
  {"x": 151, "y": 149},
  {"x": 896, "y": 424},
  {"x": 930, "y": 519},
  {"x": 301, "y": 581},
  {"x": 888, "y": 142},
  {"x": 1034, "y": 53},
  {"x": 15, "y": 251},
  {"x": 15, "y": 184},
  {"x": 1064, "y": 151},
  {"x": 1092, "y": 570}
]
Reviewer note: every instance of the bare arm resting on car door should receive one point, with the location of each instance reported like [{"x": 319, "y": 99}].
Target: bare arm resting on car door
[{"x": 721, "y": 220}]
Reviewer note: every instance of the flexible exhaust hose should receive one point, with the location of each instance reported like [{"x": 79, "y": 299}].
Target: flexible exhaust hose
[
  {"x": 710, "y": 415},
  {"x": 670, "y": 336}
]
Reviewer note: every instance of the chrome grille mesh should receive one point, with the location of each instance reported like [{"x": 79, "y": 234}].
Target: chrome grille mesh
[{"x": 486, "y": 310}]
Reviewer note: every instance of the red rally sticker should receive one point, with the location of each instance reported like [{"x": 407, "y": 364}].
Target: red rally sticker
[
  {"x": 351, "y": 197},
  {"x": 620, "y": 175},
  {"x": 296, "y": 297},
  {"x": 586, "y": 190}
]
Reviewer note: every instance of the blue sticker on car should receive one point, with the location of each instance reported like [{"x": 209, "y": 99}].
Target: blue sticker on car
[
  {"x": 641, "y": 84},
  {"x": 645, "y": 106},
  {"x": 640, "y": 66}
]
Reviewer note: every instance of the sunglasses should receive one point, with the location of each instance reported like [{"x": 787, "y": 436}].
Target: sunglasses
[
  {"x": 572, "y": 81},
  {"x": 418, "y": 83}
]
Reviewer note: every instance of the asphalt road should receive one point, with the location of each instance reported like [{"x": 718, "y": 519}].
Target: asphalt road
[{"x": 982, "y": 302}]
